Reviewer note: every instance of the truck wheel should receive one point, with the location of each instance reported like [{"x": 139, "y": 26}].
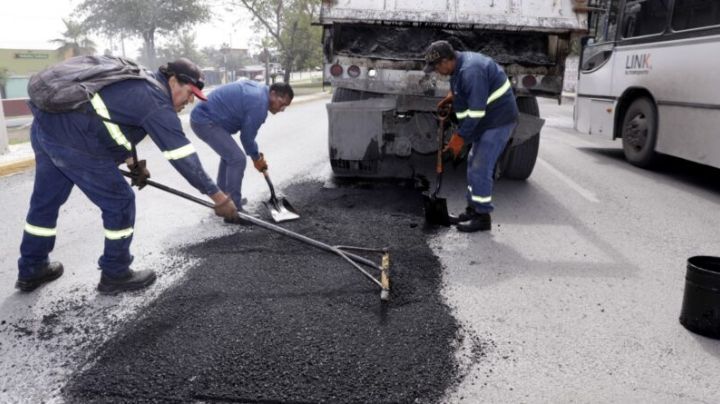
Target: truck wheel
[
  {"x": 520, "y": 160},
  {"x": 639, "y": 132}
]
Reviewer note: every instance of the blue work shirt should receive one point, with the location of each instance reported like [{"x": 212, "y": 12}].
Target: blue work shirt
[
  {"x": 132, "y": 109},
  {"x": 239, "y": 106},
  {"x": 482, "y": 95}
]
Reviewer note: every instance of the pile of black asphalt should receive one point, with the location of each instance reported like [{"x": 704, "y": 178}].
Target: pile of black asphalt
[{"x": 262, "y": 318}]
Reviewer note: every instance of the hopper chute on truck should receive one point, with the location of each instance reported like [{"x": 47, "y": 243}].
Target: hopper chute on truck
[{"x": 381, "y": 120}]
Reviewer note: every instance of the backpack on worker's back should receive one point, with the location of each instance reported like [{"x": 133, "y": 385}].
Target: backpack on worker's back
[{"x": 68, "y": 85}]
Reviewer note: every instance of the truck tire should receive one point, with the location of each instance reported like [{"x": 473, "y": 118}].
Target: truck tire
[
  {"x": 521, "y": 159},
  {"x": 639, "y": 132}
]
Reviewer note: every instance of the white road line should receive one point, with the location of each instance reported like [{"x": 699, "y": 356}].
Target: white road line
[{"x": 589, "y": 195}]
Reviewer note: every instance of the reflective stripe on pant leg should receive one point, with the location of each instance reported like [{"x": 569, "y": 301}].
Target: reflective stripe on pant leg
[
  {"x": 50, "y": 192},
  {"x": 118, "y": 234},
  {"x": 40, "y": 231},
  {"x": 479, "y": 198}
]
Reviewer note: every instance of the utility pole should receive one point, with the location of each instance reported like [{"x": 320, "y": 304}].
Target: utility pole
[
  {"x": 267, "y": 66},
  {"x": 3, "y": 130}
]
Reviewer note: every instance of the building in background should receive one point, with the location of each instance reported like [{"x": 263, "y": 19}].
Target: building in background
[{"x": 16, "y": 67}]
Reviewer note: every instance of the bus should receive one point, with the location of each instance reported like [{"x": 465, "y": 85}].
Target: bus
[{"x": 647, "y": 77}]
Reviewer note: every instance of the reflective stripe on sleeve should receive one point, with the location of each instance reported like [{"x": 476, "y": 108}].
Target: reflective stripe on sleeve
[
  {"x": 118, "y": 234},
  {"x": 40, "y": 231},
  {"x": 499, "y": 92},
  {"x": 470, "y": 113},
  {"x": 114, "y": 130},
  {"x": 477, "y": 114},
  {"x": 179, "y": 153}
]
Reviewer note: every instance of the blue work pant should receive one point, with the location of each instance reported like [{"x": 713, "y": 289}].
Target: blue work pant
[
  {"x": 232, "y": 158},
  {"x": 58, "y": 169},
  {"x": 481, "y": 166}
]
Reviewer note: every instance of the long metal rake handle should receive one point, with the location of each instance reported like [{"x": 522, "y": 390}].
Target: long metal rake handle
[{"x": 349, "y": 257}]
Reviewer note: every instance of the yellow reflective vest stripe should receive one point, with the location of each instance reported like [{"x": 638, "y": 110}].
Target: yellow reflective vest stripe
[
  {"x": 499, "y": 92},
  {"x": 40, "y": 231},
  {"x": 112, "y": 128},
  {"x": 179, "y": 153},
  {"x": 477, "y": 114},
  {"x": 118, "y": 234}
]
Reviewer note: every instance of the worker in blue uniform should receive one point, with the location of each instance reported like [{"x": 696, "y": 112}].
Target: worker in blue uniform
[
  {"x": 484, "y": 104},
  {"x": 84, "y": 148},
  {"x": 241, "y": 106}
]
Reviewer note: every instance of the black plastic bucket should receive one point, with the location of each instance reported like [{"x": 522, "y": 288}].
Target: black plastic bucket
[{"x": 701, "y": 303}]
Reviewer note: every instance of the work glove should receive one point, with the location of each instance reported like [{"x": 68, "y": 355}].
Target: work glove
[
  {"x": 455, "y": 145},
  {"x": 226, "y": 209},
  {"x": 260, "y": 164},
  {"x": 139, "y": 174}
]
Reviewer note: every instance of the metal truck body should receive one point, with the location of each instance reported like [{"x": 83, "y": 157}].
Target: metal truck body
[{"x": 381, "y": 117}]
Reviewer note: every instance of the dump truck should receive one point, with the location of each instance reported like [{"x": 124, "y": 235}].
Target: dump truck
[{"x": 382, "y": 116}]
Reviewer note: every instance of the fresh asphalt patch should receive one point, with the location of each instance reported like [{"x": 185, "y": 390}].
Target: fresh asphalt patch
[{"x": 262, "y": 318}]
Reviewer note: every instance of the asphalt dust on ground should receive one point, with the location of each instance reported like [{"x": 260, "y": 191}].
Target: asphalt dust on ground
[{"x": 262, "y": 318}]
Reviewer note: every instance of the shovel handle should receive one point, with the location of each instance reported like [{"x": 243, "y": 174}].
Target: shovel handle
[
  {"x": 173, "y": 191},
  {"x": 270, "y": 185},
  {"x": 441, "y": 143}
]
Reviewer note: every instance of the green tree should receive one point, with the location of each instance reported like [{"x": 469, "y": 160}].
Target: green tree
[
  {"x": 75, "y": 39},
  {"x": 144, "y": 18},
  {"x": 288, "y": 23},
  {"x": 181, "y": 46}
]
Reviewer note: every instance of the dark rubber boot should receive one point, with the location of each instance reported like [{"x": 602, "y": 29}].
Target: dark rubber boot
[
  {"x": 467, "y": 215},
  {"x": 478, "y": 222},
  {"x": 132, "y": 280},
  {"x": 48, "y": 273}
]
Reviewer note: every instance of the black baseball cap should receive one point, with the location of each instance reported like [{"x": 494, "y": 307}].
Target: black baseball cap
[
  {"x": 436, "y": 52},
  {"x": 187, "y": 72}
]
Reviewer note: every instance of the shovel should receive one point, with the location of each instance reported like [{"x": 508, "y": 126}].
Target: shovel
[
  {"x": 280, "y": 209},
  {"x": 436, "y": 212}
]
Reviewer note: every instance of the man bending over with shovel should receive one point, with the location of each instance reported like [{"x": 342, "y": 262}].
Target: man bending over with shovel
[
  {"x": 484, "y": 103},
  {"x": 242, "y": 107}
]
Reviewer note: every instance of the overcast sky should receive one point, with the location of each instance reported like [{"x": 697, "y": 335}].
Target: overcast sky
[{"x": 30, "y": 24}]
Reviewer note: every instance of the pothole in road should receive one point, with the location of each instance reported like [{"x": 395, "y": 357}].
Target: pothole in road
[{"x": 263, "y": 318}]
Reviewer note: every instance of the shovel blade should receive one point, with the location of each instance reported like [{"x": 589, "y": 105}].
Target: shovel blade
[
  {"x": 281, "y": 210},
  {"x": 436, "y": 212}
]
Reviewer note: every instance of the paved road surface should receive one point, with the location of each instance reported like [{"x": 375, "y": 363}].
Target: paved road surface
[{"x": 574, "y": 296}]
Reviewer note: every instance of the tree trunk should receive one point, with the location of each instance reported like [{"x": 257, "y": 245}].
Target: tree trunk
[
  {"x": 149, "y": 39},
  {"x": 286, "y": 73}
]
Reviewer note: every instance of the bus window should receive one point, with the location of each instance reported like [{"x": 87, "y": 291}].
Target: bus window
[
  {"x": 604, "y": 21},
  {"x": 603, "y": 28},
  {"x": 644, "y": 17},
  {"x": 690, "y": 14}
]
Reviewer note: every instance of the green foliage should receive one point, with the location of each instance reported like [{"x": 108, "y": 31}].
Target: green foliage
[
  {"x": 288, "y": 24},
  {"x": 75, "y": 39},
  {"x": 144, "y": 18},
  {"x": 181, "y": 46}
]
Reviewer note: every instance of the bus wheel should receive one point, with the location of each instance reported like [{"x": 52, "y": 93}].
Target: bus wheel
[{"x": 639, "y": 132}]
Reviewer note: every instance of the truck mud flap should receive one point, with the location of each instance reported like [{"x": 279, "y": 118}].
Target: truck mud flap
[
  {"x": 527, "y": 127},
  {"x": 356, "y": 128}
]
